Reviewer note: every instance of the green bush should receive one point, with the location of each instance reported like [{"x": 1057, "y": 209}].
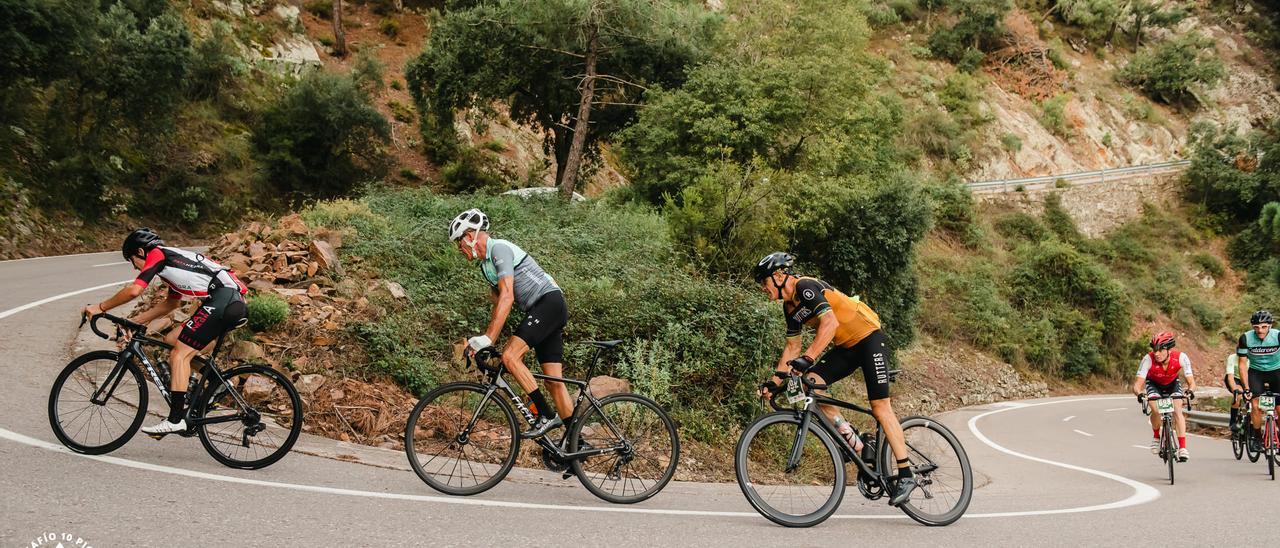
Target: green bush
[
  {"x": 1011, "y": 142},
  {"x": 321, "y": 138},
  {"x": 1058, "y": 220},
  {"x": 882, "y": 15},
  {"x": 1173, "y": 70},
  {"x": 389, "y": 26},
  {"x": 726, "y": 219},
  {"x": 1021, "y": 226},
  {"x": 474, "y": 171},
  {"x": 979, "y": 28},
  {"x": 953, "y": 211},
  {"x": 266, "y": 310},
  {"x": 320, "y": 8},
  {"x": 1209, "y": 264},
  {"x": 1053, "y": 115}
]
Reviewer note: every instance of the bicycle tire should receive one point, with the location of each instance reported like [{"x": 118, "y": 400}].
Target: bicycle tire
[
  {"x": 129, "y": 370},
  {"x": 1248, "y": 445},
  {"x": 414, "y": 433},
  {"x": 590, "y": 417},
  {"x": 1170, "y": 452},
  {"x": 1237, "y": 440},
  {"x": 961, "y": 458},
  {"x": 791, "y": 423},
  {"x": 249, "y": 382},
  {"x": 1271, "y": 447}
]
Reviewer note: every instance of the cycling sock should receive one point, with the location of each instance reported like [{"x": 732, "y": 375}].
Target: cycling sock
[
  {"x": 1155, "y": 433},
  {"x": 540, "y": 407},
  {"x": 904, "y": 468},
  {"x": 1235, "y": 414},
  {"x": 175, "y": 410},
  {"x": 1182, "y": 442}
]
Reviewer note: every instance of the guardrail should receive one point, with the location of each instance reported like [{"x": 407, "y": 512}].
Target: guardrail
[
  {"x": 1206, "y": 418},
  {"x": 1079, "y": 178}
]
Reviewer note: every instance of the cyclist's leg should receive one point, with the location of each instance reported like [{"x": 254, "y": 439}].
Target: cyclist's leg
[
  {"x": 871, "y": 354},
  {"x": 542, "y": 329},
  {"x": 834, "y": 365},
  {"x": 551, "y": 355},
  {"x": 513, "y": 359},
  {"x": 1255, "y": 386},
  {"x": 1179, "y": 417},
  {"x": 1153, "y": 394}
]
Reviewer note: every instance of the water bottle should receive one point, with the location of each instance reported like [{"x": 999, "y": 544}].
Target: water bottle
[{"x": 850, "y": 435}]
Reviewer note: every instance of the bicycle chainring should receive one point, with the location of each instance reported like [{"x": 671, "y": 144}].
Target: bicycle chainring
[
  {"x": 869, "y": 488},
  {"x": 551, "y": 462}
]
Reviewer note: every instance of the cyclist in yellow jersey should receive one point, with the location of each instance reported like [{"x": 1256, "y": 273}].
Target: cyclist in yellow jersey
[{"x": 858, "y": 344}]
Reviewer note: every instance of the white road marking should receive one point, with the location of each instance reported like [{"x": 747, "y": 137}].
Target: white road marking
[
  {"x": 55, "y": 257},
  {"x": 1117, "y": 409},
  {"x": 1140, "y": 446},
  {"x": 31, "y": 305},
  {"x": 1068, "y": 419},
  {"x": 1083, "y": 433},
  {"x": 110, "y": 264},
  {"x": 1142, "y": 493}
]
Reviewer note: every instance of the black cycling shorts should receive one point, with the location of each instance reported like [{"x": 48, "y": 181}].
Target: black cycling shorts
[
  {"x": 220, "y": 312},
  {"x": 543, "y": 327},
  {"x": 1258, "y": 378},
  {"x": 871, "y": 354},
  {"x": 1157, "y": 391}
]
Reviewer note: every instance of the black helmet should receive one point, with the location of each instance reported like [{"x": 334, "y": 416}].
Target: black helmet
[
  {"x": 773, "y": 262},
  {"x": 1261, "y": 316},
  {"x": 142, "y": 238}
]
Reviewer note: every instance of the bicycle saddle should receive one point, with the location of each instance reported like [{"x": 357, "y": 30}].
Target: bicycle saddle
[{"x": 605, "y": 344}]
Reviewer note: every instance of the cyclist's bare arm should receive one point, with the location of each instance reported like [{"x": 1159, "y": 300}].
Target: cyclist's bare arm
[
  {"x": 827, "y": 325},
  {"x": 501, "y": 307},
  {"x": 126, "y": 294},
  {"x": 790, "y": 352},
  {"x": 1138, "y": 383},
  {"x": 169, "y": 305}
]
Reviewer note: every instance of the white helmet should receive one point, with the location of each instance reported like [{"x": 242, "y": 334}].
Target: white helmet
[{"x": 471, "y": 219}]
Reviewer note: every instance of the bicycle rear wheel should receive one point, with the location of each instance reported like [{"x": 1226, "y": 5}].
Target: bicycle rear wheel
[
  {"x": 1169, "y": 451},
  {"x": 1237, "y": 440},
  {"x": 647, "y": 454},
  {"x": 803, "y": 497},
  {"x": 1271, "y": 447},
  {"x": 259, "y": 413},
  {"x": 459, "y": 441},
  {"x": 1248, "y": 443},
  {"x": 90, "y": 427},
  {"x": 942, "y": 470}
]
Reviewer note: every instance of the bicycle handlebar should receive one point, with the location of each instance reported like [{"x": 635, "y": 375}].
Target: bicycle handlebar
[{"x": 121, "y": 322}]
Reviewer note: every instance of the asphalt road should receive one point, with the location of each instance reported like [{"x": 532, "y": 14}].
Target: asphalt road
[{"x": 1056, "y": 472}]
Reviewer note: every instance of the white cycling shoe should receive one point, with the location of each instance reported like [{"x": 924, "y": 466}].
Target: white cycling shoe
[
  {"x": 1155, "y": 447},
  {"x": 1183, "y": 455},
  {"x": 165, "y": 427}
]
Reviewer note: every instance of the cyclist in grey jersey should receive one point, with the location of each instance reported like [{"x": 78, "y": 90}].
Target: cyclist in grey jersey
[{"x": 515, "y": 278}]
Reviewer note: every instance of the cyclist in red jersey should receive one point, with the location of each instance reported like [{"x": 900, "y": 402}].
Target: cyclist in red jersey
[
  {"x": 1158, "y": 378},
  {"x": 189, "y": 275}
]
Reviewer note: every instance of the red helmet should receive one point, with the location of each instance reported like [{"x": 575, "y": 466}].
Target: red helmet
[{"x": 1163, "y": 340}]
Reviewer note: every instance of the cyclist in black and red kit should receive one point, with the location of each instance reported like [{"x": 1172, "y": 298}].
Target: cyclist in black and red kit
[{"x": 189, "y": 275}]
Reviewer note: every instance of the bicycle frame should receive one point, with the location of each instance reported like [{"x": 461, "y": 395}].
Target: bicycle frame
[
  {"x": 495, "y": 382},
  {"x": 812, "y": 399}
]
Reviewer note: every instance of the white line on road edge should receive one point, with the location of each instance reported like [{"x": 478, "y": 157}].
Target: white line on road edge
[
  {"x": 110, "y": 264},
  {"x": 1142, "y": 493},
  {"x": 54, "y": 257},
  {"x": 1140, "y": 446},
  {"x": 1083, "y": 433},
  {"x": 1117, "y": 409},
  {"x": 28, "y": 306},
  {"x": 1068, "y": 419}
]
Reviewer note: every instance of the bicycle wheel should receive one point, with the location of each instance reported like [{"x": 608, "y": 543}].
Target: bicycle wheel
[
  {"x": 1237, "y": 441},
  {"x": 942, "y": 470},
  {"x": 1248, "y": 446},
  {"x": 648, "y": 448},
  {"x": 1169, "y": 451},
  {"x": 257, "y": 416},
  {"x": 459, "y": 441},
  {"x": 1271, "y": 448},
  {"x": 803, "y": 497},
  {"x": 85, "y": 426}
]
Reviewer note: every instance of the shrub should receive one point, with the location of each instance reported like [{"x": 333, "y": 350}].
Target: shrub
[
  {"x": 389, "y": 26},
  {"x": 980, "y": 25},
  {"x": 473, "y": 171},
  {"x": 1052, "y": 273},
  {"x": 1171, "y": 71},
  {"x": 1209, "y": 264},
  {"x": 882, "y": 15},
  {"x": 321, "y": 138},
  {"x": 1053, "y": 115},
  {"x": 1011, "y": 142},
  {"x": 1058, "y": 220},
  {"x": 266, "y": 310},
  {"x": 1021, "y": 226},
  {"x": 725, "y": 219},
  {"x": 953, "y": 211},
  {"x": 320, "y": 8}
]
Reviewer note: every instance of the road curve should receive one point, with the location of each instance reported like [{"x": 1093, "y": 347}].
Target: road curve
[{"x": 1053, "y": 472}]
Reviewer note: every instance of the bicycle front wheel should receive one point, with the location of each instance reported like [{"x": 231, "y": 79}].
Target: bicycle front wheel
[
  {"x": 250, "y": 421},
  {"x": 646, "y": 452},
  {"x": 1170, "y": 451},
  {"x": 801, "y": 497},
  {"x": 941, "y": 468},
  {"x": 97, "y": 403},
  {"x": 1237, "y": 442},
  {"x": 460, "y": 439},
  {"x": 1248, "y": 443}
]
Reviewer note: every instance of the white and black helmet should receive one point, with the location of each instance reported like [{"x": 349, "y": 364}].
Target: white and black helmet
[{"x": 471, "y": 219}]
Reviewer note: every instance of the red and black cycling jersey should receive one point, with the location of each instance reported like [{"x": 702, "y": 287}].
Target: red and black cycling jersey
[{"x": 188, "y": 274}]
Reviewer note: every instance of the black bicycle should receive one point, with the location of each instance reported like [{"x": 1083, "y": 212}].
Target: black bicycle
[
  {"x": 247, "y": 417},
  {"x": 1240, "y": 430},
  {"x": 462, "y": 438},
  {"x": 1270, "y": 442},
  {"x": 1168, "y": 437},
  {"x": 791, "y": 463}
]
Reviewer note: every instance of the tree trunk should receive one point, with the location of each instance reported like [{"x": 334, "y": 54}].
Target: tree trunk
[
  {"x": 569, "y": 177},
  {"x": 339, "y": 38}
]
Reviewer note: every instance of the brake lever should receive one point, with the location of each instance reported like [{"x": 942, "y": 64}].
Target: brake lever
[{"x": 84, "y": 318}]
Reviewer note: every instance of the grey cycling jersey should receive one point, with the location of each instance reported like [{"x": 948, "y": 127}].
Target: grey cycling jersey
[{"x": 530, "y": 283}]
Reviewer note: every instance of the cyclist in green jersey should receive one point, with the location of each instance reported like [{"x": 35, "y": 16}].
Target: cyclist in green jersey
[{"x": 1259, "y": 364}]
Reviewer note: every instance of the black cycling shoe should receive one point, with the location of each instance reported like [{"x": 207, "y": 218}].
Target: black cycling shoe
[
  {"x": 902, "y": 489},
  {"x": 1254, "y": 444},
  {"x": 542, "y": 426}
]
